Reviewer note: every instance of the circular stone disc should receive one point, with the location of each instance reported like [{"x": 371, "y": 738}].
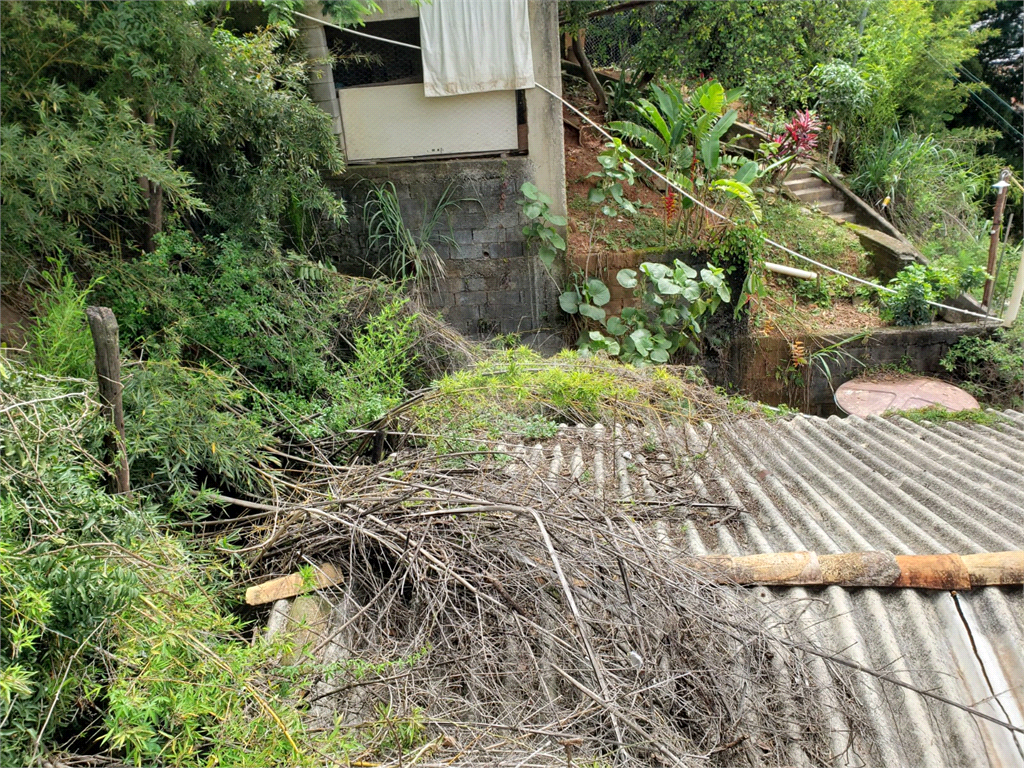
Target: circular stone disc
[{"x": 863, "y": 397}]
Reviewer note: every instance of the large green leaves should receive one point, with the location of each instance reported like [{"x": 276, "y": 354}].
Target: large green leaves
[
  {"x": 673, "y": 299},
  {"x": 740, "y": 191}
]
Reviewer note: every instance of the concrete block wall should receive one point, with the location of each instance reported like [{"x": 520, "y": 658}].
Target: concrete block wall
[{"x": 494, "y": 283}]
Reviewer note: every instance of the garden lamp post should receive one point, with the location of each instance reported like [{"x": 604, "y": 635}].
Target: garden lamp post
[{"x": 997, "y": 219}]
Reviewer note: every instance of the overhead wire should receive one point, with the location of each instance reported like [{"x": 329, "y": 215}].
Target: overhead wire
[
  {"x": 326, "y": 23},
  {"x": 971, "y": 76},
  {"x": 992, "y": 111}
]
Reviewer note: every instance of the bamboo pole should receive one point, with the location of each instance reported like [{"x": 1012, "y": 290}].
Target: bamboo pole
[
  {"x": 868, "y": 569},
  {"x": 997, "y": 220}
]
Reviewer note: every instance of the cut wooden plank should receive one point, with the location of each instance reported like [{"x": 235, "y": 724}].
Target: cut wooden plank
[
  {"x": 995, "y": 568},
  {"x": 290, "y": 586}
]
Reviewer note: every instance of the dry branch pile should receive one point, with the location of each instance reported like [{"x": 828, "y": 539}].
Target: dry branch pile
[{"x": 543, "y": 623}]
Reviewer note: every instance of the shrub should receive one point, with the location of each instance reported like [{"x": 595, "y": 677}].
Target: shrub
[
  {"x": 59, "y": 582},
  {"x": 992, "y": 369},
  {"x": 842, "y": 96},
  {"x": 672, "y": 309},
  {"x": 305, "y": 337},
  {"x": 518, "y": 392},
  {"x": 916, "y": 285},
  {"x": 60, "y": 343},
  {"x": 187, "y": 425},
  {"x": 926, "y": 184}
]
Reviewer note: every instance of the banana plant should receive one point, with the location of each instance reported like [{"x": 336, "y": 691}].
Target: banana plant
[{"x": 684, "y": 135}]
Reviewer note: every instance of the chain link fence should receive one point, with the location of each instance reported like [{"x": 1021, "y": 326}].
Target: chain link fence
[{"x": 611, "y": 41}]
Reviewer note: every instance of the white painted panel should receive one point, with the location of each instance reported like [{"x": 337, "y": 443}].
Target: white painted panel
[{"x": 392, "y": 121}]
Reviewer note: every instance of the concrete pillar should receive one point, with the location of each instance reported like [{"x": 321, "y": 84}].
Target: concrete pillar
[
  {"x": 543, "y": 113},
  {"x": 321, "y": 86}
]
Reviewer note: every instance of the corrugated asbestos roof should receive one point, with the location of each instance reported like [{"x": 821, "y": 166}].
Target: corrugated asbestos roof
[{"x": 843, "y": 485}]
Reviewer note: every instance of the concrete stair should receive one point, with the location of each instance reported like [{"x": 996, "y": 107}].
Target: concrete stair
[{"x": 819, "y": 195}]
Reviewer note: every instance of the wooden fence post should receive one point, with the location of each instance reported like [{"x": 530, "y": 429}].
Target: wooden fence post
[{"x": 103, "y": 325}]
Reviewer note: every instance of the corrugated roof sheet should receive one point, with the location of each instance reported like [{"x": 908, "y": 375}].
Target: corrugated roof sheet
[{"x": 842, "y": 485}]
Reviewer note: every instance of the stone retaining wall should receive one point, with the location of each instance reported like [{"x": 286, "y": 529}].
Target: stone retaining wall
[{"x": 754, "y": 366}]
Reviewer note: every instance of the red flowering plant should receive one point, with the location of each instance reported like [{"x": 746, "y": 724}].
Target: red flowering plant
[{"x": 796, "y": 142}]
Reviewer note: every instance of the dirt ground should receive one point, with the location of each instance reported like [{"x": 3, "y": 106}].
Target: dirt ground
[{"x": 599, "y": 245}]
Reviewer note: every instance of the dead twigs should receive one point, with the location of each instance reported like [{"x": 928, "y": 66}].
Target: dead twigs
[{"x": 535, "y": 603}]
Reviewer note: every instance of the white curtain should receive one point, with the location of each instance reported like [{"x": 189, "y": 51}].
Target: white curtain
[{"x": 470, "y": 46}]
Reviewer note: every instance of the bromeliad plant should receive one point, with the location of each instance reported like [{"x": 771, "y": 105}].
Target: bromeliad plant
[
  {"x": 672, "y": 307},
  {"x": 684, "y": 135}
]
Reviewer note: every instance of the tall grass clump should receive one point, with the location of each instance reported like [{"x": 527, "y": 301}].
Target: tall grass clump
[
  {"x": 929, "y": 185},
  {"x": 60, "y": 343}
]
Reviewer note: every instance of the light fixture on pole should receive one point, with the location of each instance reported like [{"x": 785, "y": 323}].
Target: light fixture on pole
[{"x": 997, "y": 220}]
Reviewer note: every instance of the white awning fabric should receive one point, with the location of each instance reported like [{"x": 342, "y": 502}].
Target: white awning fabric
[{"x": 472, "y": 46}]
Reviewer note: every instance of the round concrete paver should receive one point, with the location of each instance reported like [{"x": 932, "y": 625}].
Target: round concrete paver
[{"x": 863, "y": 397}]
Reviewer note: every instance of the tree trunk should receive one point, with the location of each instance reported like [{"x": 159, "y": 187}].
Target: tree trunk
[
  {"x": 155, "y": 223},
  {"x": 588, "y": 72},
  {"x": 104, "y": 329},
  {"x": 155, "y": 195}
]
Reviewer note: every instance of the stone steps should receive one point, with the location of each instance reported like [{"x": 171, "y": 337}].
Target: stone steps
[
  {"x": 831, "y": 207},
  {"x": 817, "y": 194}
]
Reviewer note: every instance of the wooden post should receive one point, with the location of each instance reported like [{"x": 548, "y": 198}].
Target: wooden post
[
  {"x": 103, "y": 325},
  {"x": 993, "y": 247}
]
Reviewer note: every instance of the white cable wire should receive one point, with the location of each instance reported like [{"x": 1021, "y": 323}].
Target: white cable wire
[
  {"x": 672, "y": 184},
  {"x": 712, "y": 211},
  {"x": 360, "y": 34}
]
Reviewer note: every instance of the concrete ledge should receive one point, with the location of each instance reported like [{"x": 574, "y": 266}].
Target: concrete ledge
[{"x": 888, "y": 254}]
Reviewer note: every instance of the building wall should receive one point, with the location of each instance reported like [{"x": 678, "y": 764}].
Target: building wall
[{"x": 494, "y": 283}]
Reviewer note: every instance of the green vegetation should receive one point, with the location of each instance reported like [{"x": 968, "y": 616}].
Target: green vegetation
[
  {"x": 768, "y": 46},
  {"x": 916, "y": 285},
  {"x": 543, "y": 224},
  {"x": 937, "y": 414},
  {"x": 683, "y": 135},
  {"x": 817, "y": 236},
  {"x": 516, "y": 391},
  {"x": 156, "y": 161},
  {"x": 157, "y": 158},
  {"x": 615, "y": 169},
  {"x": 306, "y": 337},
  {"x": 101, "y": 96},
  {"x": 404, "y": 253},
  {"x": 991, "y": 369},
  {"x": 886, "y": 78},
  {"x": 668, "y": 317}
]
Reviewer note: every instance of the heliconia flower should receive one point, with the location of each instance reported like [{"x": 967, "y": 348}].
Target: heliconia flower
[{"x": 670, "y": 202}]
